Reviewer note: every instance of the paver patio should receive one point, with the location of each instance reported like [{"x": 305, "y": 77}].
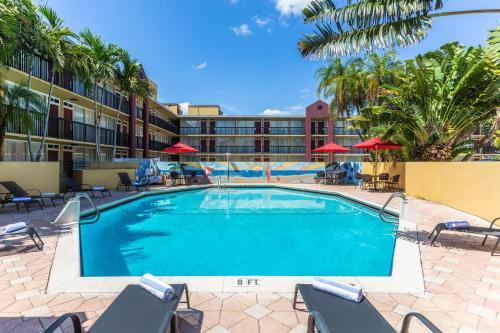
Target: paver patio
[{"x": 462, "y": 284}]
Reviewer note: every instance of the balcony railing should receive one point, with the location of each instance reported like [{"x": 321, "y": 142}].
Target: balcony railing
[
  {"x": 242, "y": 131},
  {"x": 344, "y": 131},
  {"x": 163, "y": 124},
  {"x": 41, "y": 69},
  {"x": 252, "y": 149},
  {"x": 140, "y": 142},
  {"x": 157, "y": 145},
  {"x": 61, "y": 128}
]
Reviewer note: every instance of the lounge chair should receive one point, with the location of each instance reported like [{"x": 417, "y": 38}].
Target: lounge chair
[
  {"x": 18, "y": 192},
  {"x": 28, "y": 230},
  {"x": 483, "y": 231},
  {"x": 18, "y": 196},
  {"x": 329, "y": 313},
  {"x": 73, "y": 188},
  {"x": 134, "y": 310},
  {"x": 126, "y": 182}
]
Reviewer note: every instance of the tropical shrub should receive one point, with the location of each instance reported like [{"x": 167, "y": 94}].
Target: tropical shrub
[{"x": 437, "y": 102}]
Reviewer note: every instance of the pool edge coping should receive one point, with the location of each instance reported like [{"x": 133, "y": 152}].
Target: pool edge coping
[{"x": 407, "y": 275}]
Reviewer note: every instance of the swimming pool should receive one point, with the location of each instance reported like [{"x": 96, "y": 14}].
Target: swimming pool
[{"x": 238, "y": 232}]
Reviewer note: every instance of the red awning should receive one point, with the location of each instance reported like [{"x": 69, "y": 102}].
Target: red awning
[
  {"x": 179, "y": 148},
  {"x": 376, "y": 144},
  {"x": 331, "y": 147}
]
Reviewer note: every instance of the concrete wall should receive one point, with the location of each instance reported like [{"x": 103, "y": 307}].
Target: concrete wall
[
  {"x": 43, "y": 176},
  {"x": 101, "y": 177},
  {"x": 473, "y": 187},
  {"x": 387, "y": 167}
]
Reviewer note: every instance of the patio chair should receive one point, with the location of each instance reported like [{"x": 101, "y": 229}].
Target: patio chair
[
  {"x": 28, "y": 230},
  {"x": 134, "y": 310},
  {"x": 341, "y": 178},
  {"x": 126, "y": 182},
  {"x": 72, "y": 187},
  {"x": 367, "y": 182},
  {"x": 26, "y": 200},
  {"x": 393, "y": 183},
  {"x": 358, "y": 179},
  {"x": 382, "y": 180},
  {"x": 320, "y": 177},
  {"x": 329, "y": 313},
  {"x": 483, "y": 231},
  {"x": 177, "y": 178}
]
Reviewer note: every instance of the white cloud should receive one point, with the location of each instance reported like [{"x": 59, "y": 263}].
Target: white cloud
[
  {"x": 242, "y": 30},
  {"x": 184, "y": 107},
  {"x": 296, "y": 107},
  {"x": 261, "y": 21},
  {"x": 291, "y": 7},
  {"x": 274, "y": 112},
  {"x": 233, "y": 2},
  {"x": 201, "y": 66}
]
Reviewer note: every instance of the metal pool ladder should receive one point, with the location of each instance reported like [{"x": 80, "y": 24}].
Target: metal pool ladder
[
  {"x": 381, "y": 212},
  {"x": 97, "y": 213}
]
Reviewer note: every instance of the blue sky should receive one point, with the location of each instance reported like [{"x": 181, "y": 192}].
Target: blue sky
[{"x": 240, "y": 54}]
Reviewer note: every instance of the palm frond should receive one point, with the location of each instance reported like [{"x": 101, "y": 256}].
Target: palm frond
[
  {"x": 366, "y": 13},
  {"x": 326, "y": 42}
]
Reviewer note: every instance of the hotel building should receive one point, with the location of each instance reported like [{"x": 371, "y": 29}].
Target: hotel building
[{"x": 146, "y": 126}]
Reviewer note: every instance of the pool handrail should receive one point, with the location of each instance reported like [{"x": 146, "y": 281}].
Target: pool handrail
[
  {"x": 97, "y": 212},
  {"x": 394, "y": 195}
]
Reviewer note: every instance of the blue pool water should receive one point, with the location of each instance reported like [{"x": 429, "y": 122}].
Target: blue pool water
[{"x": 238, "y": 231}]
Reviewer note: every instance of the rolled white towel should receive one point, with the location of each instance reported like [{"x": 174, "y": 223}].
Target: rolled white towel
[
  {"x": 13, "y": 227},
  {"x": 344, "y": 290},
  {"x": 161, "y": 290}
]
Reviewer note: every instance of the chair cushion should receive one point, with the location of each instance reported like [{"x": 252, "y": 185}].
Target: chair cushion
[
  {"x": 48, "y": 194},
  {"x": 22, "y": 199}
]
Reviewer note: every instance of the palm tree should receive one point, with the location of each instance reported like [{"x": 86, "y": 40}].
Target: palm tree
[
  {"x": 103, "y": 58},
  {"x": 438, "y": 102},
  {"x": 28, "y": 41},
  {"x": 342, "y": 81},
  {"x": 12, "y": 109},
  {"x": 127, "y": 76},
  {"x": 57, "y": 47},
  {"x": 8, "y": 30},
  {"x": 365, "y": 25}
]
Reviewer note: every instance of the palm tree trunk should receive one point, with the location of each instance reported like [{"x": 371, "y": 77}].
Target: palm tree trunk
[
  {"x": 99, "y": 124},
  {"x": 97, "y": 148},
  {"x": 116, "y": 123},
  {"x": 3, "y": 125},
  {"x": 47, "y": 116},
  {"x": 28, "y": 134}
]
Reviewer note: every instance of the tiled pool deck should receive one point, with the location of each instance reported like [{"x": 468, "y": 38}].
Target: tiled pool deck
[{"x": 462, "y": 284}]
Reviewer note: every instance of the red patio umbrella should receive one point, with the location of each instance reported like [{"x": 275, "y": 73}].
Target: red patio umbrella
[
  {"x": 376, "y": 144},
  {"x": 331, "y": 147},
  {"x": 180, "y": 148}
]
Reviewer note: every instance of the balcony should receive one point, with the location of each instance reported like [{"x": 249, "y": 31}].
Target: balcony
[
  {"x": 61, "y": 128},
  {"x": 162, "y": 123},
  {"x": 41, "y": 69},
  {"x": 122, "y": 139},
  {"x": 157, "y": 145},
  {"x": 252, "y": 149},
  {"x": 140, "y": 142},
  {"x": 344, "y": 131},
  {"x": 242, "y": 131}
]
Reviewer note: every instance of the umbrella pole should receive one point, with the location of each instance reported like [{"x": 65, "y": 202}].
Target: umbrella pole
[{"x": 375, "y": 172}]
